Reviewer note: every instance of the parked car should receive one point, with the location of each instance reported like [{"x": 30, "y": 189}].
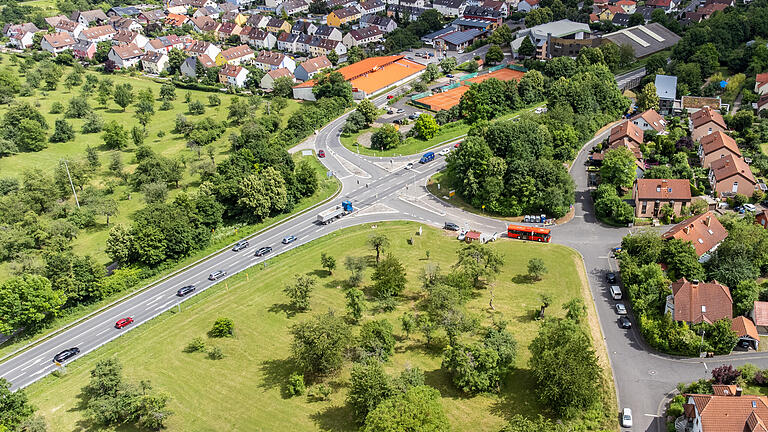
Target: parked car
[
  {"x": 412, "y": 116},
  {"x": 449, "y": 76},
  {"x": 450, "y": 226},
  {"x": 625, "y": 322},
  {"x": 263, "y": 251},
  {"x": 626, "y": 418},
  {"x": 400, "y": 110},
  {"x": 217, "y": 275},
  {"x": 457, "y": 144},
  {"x": 390, "y": 96},
  {"x": 462, "y": 235},
  {"x": 66, "y": 354},
  {"x": 321, "y": 153},
  {"x": 123, "y": 322},
  {"x": 610, "y": 277},
  {"x": 289, "y": 239},
  {"x": 242, "y": 244},
  {"x": 750, "y": 208},
  {"x": 185, "y": 290},
  {"x": 621, "y": 309},
  {"x": 444, "y": 152}
]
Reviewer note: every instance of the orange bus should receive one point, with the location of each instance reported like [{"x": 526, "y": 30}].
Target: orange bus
[{"x": 523, "y": 232}]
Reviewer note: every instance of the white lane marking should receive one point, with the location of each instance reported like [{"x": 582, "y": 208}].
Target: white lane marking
[
  {"x": 164, "y": 305},
  {"x": 42, "y": 370},
  {"x": 103, "y": 331},
  {"x": 652, "y": 415}
]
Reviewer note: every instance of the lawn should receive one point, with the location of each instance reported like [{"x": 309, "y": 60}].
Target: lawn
[{"x": 257, "y": 362}]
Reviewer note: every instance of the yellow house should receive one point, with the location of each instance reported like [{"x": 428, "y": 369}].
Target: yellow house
[
  {"x": 240, "y": 19},
  {"x": 343, "y": 16},
  {"x": 276, "y": 25}
]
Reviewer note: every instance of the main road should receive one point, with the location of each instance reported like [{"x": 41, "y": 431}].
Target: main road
[{"x": 380, "y": 189}]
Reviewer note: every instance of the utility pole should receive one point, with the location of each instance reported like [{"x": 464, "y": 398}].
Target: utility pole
[{"x": 70, "y": 183}]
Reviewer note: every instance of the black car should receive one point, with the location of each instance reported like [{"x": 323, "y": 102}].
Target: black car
[
  {"x": 263, "y": 251},
  {"x": 66, "y": 354},
  {"x": 289, "y": 239},
  {"x": 185, "y": 290},
  {"x": 242, "y": 244},
  {"x": 450, "y": 226},
  {"x": 216, "y": 275},
  {"x": 625, "y": 323},
  {"x": 610, "y": 277}
]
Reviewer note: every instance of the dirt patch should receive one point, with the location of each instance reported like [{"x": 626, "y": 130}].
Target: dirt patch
[{"x": 365, "y": 139}]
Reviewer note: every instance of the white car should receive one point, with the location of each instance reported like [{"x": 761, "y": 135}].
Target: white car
[
  {"x": 409, "y": 165},
  {"x": 750, "y": 208},
  {"x": 626, "y": 418},
  {"x": 444, "y": 152},
  {"x": 621, "y": 309},
  {"x": 462, "y": 236}
]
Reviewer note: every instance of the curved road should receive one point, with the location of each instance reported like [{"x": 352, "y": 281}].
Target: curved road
[{"x": 381, "y": 190}]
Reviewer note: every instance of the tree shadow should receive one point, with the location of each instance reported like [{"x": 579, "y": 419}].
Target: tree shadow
[
  {"x": 335, "y": 419},
  {"x": 276, "y": 373},
  {"x": 441, "y": 380},
  {"x": 320, "y": 273},
  {"x": 523, "y": 278},
  {"x": 285, "y": 308},
  {"x": 517, "y": 396}
]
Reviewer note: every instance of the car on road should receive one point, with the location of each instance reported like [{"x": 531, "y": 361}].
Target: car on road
[
  {"x": 409, "y": 165},
  {"x": 242, "y": 244},
  {"x": 625, "y": 323},
  {"x": 626, "y": 418},
  {"x": 289, "y": 239},
  {"x": 610, "y": 277},
  {"x": 450, "y": 226},
  {"x": 185, "y": 290},
  {"x": 400, "y": 110},
  {"x": 390, "y": 96},
  {"x": 217, "y": 275},
  {"x": 449, "y": 76},
  {"x": 427, "y": 157},
  {"x": 123, "y": 322},
  {"x": 321, "y": 153},
  {"x": 457, "y": 144},
  {"x": 444, "y": 152},
  {"x": 621, "y": 309},
  {"x": 263, "y": 251},
  {"x": 66, "y": 354},
  {"x": 412, "y": 117}
]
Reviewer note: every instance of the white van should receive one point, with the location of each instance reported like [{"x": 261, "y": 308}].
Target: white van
[{"x": 616, "y": 292}]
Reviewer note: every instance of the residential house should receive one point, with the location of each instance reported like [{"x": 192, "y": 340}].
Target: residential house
[
  {"x": 666, "y": 5},
  {"x": 759, "y": 315},
  {"x": 652, "y": 194},
  {"x": 175, "y": 20},
  {"x": 287, "y": 42},
  {"x": 303, "y": 43},
  {"x": 527, "y": 5},
  {"x": 268, "y": 61},
  {"x": 189, "y": 66},
  {"x": 125, "y": 56},
  {"x": 235, "y": 55},
  {"x": 746, "y": 331},
  {"x": 363, "y": 36},
  {"x": 127, "y": 37},
  {"x": 411, "y": 12},
  {"x": 197, "y": 48},
  {"x": 124, "y": 11},
  {"x": 483, "y": 14},
  {"x": 629, "y": 6},
  {"x": 151, "y": 16},
  {"x": 704, "y": 122},
  {"x": 52, "y": 21},
  {"x": 227, "y": 29},
  {"x": 703, "y": 231},
  {"x": 730, "y": 175},
  {"x": 452, "y": 8},
  {"x": 318, "y": 47},
  {"x": 276, "y": 25},
  {"x": 154, "y": 62},
  {"x": 695, "y": 302},
  {"x": 340, "y": 4},
  {"x": 346, "y": 15},
  {"x": 293, "y": 7},
  {"x": 22, "y": 40},
  {"x": 14, "y": 29},
  {"x": 301, "y": 26},
  {"x": 608, "y": 12},
  {"x": 233, "y": 75},
  {"x": 240, "y": 3},
  {"x": 263, "y": 39},
  {"x": 761, "y": 218},
  {"x": 86, "y": 18},
  {"x": 258, "y": 21},
  {"x": 371, "y": 7},
  {"x": 328, "y": 32},
  {"x": 121, "y": 23},
  {"x": 733, "y": 412},
  {"x": 204, "y": 24},
  {"x": 645, "y": 11},
  {"x": 620, "y": 19},
  {"x": 626, "y": 131},
  {"x": 84, "y": 49},
  {"x": 546, "y": 38},
  {"x": 57, "y": 42},
  {"x": 268, "y": 80},
  {"x": 227, "y": 7},
  {"x": 234, "y": 17},
  {"x": 761, "y": 83},
  {"x": 309, "y": 68},
  {"x": 717, "y": 146},
  {"x": 499, "y": 6},
  {"x": 650, "y": 120},
  {"x": 666, "y": 90},
  {"x": 209, "y": 11},
  {"x": 383, "y": 23},
  {"x": 176, "y": 7},
  {"x": 165, "y": 44},
  {"x": 72, "y": 28}
]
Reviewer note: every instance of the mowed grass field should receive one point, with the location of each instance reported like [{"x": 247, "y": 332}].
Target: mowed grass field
[{"x": 244, "y": 391}]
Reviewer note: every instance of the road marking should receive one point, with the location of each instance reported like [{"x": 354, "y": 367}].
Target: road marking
[
  {"x": 652, "y": 415},
  {"x": 103, "y": 331},
  {"x": 164, "y": 305}
]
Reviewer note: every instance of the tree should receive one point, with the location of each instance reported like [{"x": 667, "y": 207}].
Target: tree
[
  {"x": 137, "y": 136},
  {"x": 682, "y": 260},
  {"x": 333, "y": 57},
  {"x": 27, "y": 301},
  {"x": 332, "y": 84},
  {"x": 368, "y": 110},
  {"x": 168, "y": 91},
  {"x": 299, "y": 292},
  {"x": 418, "y": 409},
  {"x": 14, "y": 407},
  {"x": 355, "y": 265},
  {"x": 725, "y": 374},
  {"x": 145, "y": 109},
  {"x": 196, "y": 107},
  {"x": 389, "y": 277},
  {"x": 263, "y": 194},
  {"x": 369, "y": 385},
  {"x": 481, "y": 367},
  {"x": 175, "y": 58},
  {"x": 386, "y": 138},
  {"x": 92, "y": 156},
  {"x": 431, "y": 73},
  {"x": 328, "y": 262},
  {"x": 10, "y": 85},
  {"x": 536, "y": 268},
  {"x": 377, "y": 340},
  {"x": 378, "y": 242},
  {"x": 636, "y": 19},
  {"x": 222, "y": 327},
  {"x": 618, "y": 167},
  {"x": 355, "y": 304},
  {"x": 576, "y": 310},
  {"x": 494, "y": 54},
  {"x": 426, "y": 127},
  {"x": 238, "y": 110},
  {"x": 319, "y": 343},
  {"x": 527, "y": 49},
  {"x": 648, "y": 98},
  {"x": 63, "y": 132},
  {"x": 30, "y": 136},
  {"x": 283, "y": 87},
  {"x": 722, "y": 337},
  {"x": 78, "y": 107},
  {"x": 123, "y": 95},
  {"x": 448, "y": 64},
  {"x": 744, "y": 296},
  {"x": 479, "y": 261},
  {"x": 306, "y": 178},
  {"x": 564, "y": 366},
  {"x": 502, "y": 36},
  {"x": 115, "y": 136},
  {"x": 538, "y": 16}
]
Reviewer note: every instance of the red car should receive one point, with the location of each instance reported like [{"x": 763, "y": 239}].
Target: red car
[
  {"x": 457, "y": 144},
  {"x": 389, "y": 96},
  {"x": 123, "y": 322},
  {"x": 320, "y": 153}
]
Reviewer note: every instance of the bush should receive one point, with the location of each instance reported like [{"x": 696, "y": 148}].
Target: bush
[
  {"x": 215, "y": 353},
  {"x": 748, "y": 371},
  {"x": 321, "y": 392},
  {"x": 195, "y": 345},
  {"x": 296, "y": 385},
  {"x": 57, "y": 108},
  {"x": 223, "y": 327}
]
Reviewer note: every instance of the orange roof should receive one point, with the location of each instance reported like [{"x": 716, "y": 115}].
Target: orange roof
[
  {"x": 653, "y": 118},
  {"x": 697, "y": 302},
  {"x": 706, "y": 115},
  {"x": 626, "y": 130},
  {"x": 731, "y": 413},
  {"x": 504, "y": 74},
  {"x": 445, "y": 100},
  {"x": 761, "y": 313},
  {"x": 663, "y": 189},
  {"x": 744, "y": 326},
  {"x": 175, "y": 19},
  {"x": 703, "y": 231},
  {"x": 730, "y": 166},
  {"x": 762, "y": 78},
  {"x": 376, "y": 73}
]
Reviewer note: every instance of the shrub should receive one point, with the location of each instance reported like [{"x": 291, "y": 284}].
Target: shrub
[
  {"x": 223, "y": 327},
  {"x": 321, "y": 392},
  {"x": 749, "y": 372},
  {"x": 57, "y": 108},
  {"x": 215, "y": 353},
  {"x": 195, "y": 345},
  {"x": 296, "y": 385},
  {"x": 725, "y": 374}
]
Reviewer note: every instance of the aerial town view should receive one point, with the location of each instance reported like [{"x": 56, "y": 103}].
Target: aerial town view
[{"x": 384, "y": 215}]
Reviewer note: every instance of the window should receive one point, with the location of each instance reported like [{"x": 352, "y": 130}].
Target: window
[
  {"x": 735, "y": 187},
  {"x": 645, "y": 207}
]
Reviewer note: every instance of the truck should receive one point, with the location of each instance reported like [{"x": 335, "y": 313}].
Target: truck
[{"x": 327, "y": 216}]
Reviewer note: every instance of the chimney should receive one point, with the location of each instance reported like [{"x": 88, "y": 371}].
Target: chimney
[
  {"x": 687, "y": 230},
  {"x": 707, "y": 221},
  {"x": 695, "y": 282},
  {"x": 738, "y": 391}
]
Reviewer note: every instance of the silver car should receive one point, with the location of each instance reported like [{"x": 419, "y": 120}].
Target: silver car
[{"x": 217, "y": 275}]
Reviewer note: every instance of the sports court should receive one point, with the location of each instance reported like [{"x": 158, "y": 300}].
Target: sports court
[{"x": 450, "y": 98}]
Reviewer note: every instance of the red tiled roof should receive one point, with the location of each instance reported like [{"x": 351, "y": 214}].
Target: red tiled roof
[
  {"x": 653, "y": 118},
  {"x": 128, "y": 51},
  {"x": 724, "y": 389},
  {"x": 701, "y": 301},
  {"x": 663, "y": 189},
  {"x": 97, "y": 32},
  {"x": 706, "y": 115},
  {"x": 703, "y": 231},
  {"x": 761, "y": 313},
  {"x": 236, "y": 52},
  {"x": 744, "y": 326},
  {"x": 59, "y": 40},
  {"x": 315, "y": 64},
  {"x": 278, "y": 73},
  {"x": 175, "y": 19},
  {"x": 762, "y": 78},
  {"x": 270, "y": 58},
  {"x": 731, "y": 413},
  {"x": 717, "y": 140},
  {"x": 230, "y": 70},
  {"x": 730, "y": 166},
  {"x": 375, "y": 73},
  {"x": 626, "y": 129}
]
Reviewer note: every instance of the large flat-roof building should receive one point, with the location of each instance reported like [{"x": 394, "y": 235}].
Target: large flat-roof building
[
  {"x": 644, "y": 39},
  {"x": 542, "y": 36}
]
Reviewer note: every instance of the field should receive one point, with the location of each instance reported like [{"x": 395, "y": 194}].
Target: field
[
  {"x": 92, "y": 240},
  {"x": 243, "y": 391}
]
